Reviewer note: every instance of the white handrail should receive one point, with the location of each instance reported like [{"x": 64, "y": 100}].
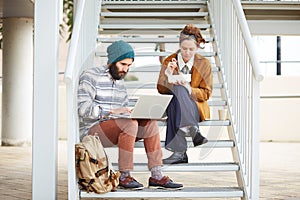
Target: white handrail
[
  {"x": 241, "y": 75},
  {"x": 74, "y": 41},
  {"x": 69, "y": 80},
  {"x": 81, "y": 55}
]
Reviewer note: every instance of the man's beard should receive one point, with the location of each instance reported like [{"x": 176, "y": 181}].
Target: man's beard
[{"x": 115, "y": 73}]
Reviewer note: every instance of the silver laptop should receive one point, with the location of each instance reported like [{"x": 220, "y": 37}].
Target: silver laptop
[{"x": 147, "y": 107}]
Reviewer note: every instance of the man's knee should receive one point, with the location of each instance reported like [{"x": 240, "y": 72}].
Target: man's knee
[{"x": 131, "y": 127}]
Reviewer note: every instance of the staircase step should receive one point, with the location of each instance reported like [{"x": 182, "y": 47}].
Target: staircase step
[
  {"x": 156, "y": 68},
  {"x": 215, "y": 123},
  {"x": 152, "y": 85},
  {"x": 153, "y": 14},
  {"x": 144, "y": 40},
  {"x": 138, "y": 54},
  {"x": 189, "y": 167},
  {"x": 209, "y": 144},
  {"x": 190, "y": 192},
  {"x": 170, "y": 3},
  {"x": 146, "y": 27},
  {"x": 155, "y": 5},
  {"x": 210, "y": 103},
  {"x": 211, "y": 122},
  {"x": 132, "y": 102},
  {"x": 217, "y": 103}
]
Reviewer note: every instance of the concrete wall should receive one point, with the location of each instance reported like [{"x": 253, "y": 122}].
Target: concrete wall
[{"x": 280, "y": 109}]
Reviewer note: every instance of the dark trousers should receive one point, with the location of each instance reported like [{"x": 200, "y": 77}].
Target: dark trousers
[{"x": 182, "y": 111}]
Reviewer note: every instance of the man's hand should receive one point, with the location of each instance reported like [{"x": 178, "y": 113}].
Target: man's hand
[{"x": 120, "y": 110}]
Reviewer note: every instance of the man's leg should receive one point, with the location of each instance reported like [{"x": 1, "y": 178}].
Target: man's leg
[
  {"x": 148, "y": 130},
  {"x": 122, "y": 132}
]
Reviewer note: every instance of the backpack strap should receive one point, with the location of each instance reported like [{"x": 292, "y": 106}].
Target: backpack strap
[
  {"x": 101, "y": 171},
  {"x": 87, "y": 186},
  {"x": 92, "y": 160}
]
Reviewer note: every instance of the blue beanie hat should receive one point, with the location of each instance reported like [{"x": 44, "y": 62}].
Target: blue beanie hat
[{"x": 119, "y": 50}]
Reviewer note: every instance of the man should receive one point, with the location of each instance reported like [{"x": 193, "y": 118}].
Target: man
[{"x": 102, "y": 92}]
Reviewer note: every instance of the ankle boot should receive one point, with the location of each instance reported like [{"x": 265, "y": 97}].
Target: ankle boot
[
  {"x": 198, "y": 139},
  {"x": 176, "y": 158}
]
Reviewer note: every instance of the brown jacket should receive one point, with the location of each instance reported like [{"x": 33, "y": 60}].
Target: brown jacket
[{"x": 201, "y": 83}]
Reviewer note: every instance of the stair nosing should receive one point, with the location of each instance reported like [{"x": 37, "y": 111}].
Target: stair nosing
[
  {"x": 210, "y": 144},
  {"x": 154, "y": 14},
  {"x": 152, "y": 85},
  {"x": 147, "y": 26},
  {"x": 191, "y": 192},
  {"x": 145, "y": 54},
  {"x": 190, "y": 167},
  {"x": 145, "y": 40}
]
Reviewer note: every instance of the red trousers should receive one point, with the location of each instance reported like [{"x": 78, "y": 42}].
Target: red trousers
[{"x": 124, "y": 133}]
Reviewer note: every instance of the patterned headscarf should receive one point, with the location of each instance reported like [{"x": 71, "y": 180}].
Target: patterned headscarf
[{"x": 183, "y": 37}]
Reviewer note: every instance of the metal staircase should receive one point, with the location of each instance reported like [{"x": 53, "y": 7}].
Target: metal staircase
[
  {"x": 151, "y": 24},
  {"x": 152, "y": 28}
]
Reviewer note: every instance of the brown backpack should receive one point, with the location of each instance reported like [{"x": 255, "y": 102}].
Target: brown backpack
[{"x": 94, "y": 171}]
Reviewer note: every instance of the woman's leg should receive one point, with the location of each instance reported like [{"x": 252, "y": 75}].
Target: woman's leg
[{"x": 182, "y": 111}]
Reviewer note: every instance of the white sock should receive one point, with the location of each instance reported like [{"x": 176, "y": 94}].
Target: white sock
[{"x": 156, "y": 173}]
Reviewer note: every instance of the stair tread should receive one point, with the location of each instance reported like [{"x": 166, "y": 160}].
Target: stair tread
[
  {"x": 190, "y": 167},
  {"x": 211, "y": 122},
  {"x": 166, "y": 2},
  {"x": 191, "y": 192},
  {"x": 156, "y": 68},
  {"x": 210, "y": 102},
  {"x": 205, "y": 54},
  {"x": 209, "y": 144},
  {"x": 149, "y": 5},
  {"x": 144, "y": 40},
  {"x": 153, "y": 14},
  {"x": 153, "y": 68},
  {"x": 123, "y": 26},
  {"x": 152, "y": 85},
  {"x": 215, "y": 123}
]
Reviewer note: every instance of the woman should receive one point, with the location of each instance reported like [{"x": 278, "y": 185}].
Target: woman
[{"x": 189, "y": 103}]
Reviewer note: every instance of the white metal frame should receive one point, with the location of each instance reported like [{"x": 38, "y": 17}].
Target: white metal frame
[{"x": 240, "y": 69}]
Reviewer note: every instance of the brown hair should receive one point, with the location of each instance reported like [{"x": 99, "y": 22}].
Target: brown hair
[{"x": 192, "y": 32}]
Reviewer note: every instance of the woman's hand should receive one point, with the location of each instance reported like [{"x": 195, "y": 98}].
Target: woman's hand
[
  {"x": 171, "y": 66},
  {"x": 184, "y": 84},
  {"x": 120, "y": 110}
]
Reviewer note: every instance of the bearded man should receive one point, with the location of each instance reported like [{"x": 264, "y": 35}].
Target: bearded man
[{"x": 102, "y": 92}]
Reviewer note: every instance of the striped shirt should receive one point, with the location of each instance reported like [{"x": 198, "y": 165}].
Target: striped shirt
[{"x": 97, "y": 94}]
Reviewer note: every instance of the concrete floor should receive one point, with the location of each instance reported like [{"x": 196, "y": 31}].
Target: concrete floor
[{"x": 279, "y": 173}]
